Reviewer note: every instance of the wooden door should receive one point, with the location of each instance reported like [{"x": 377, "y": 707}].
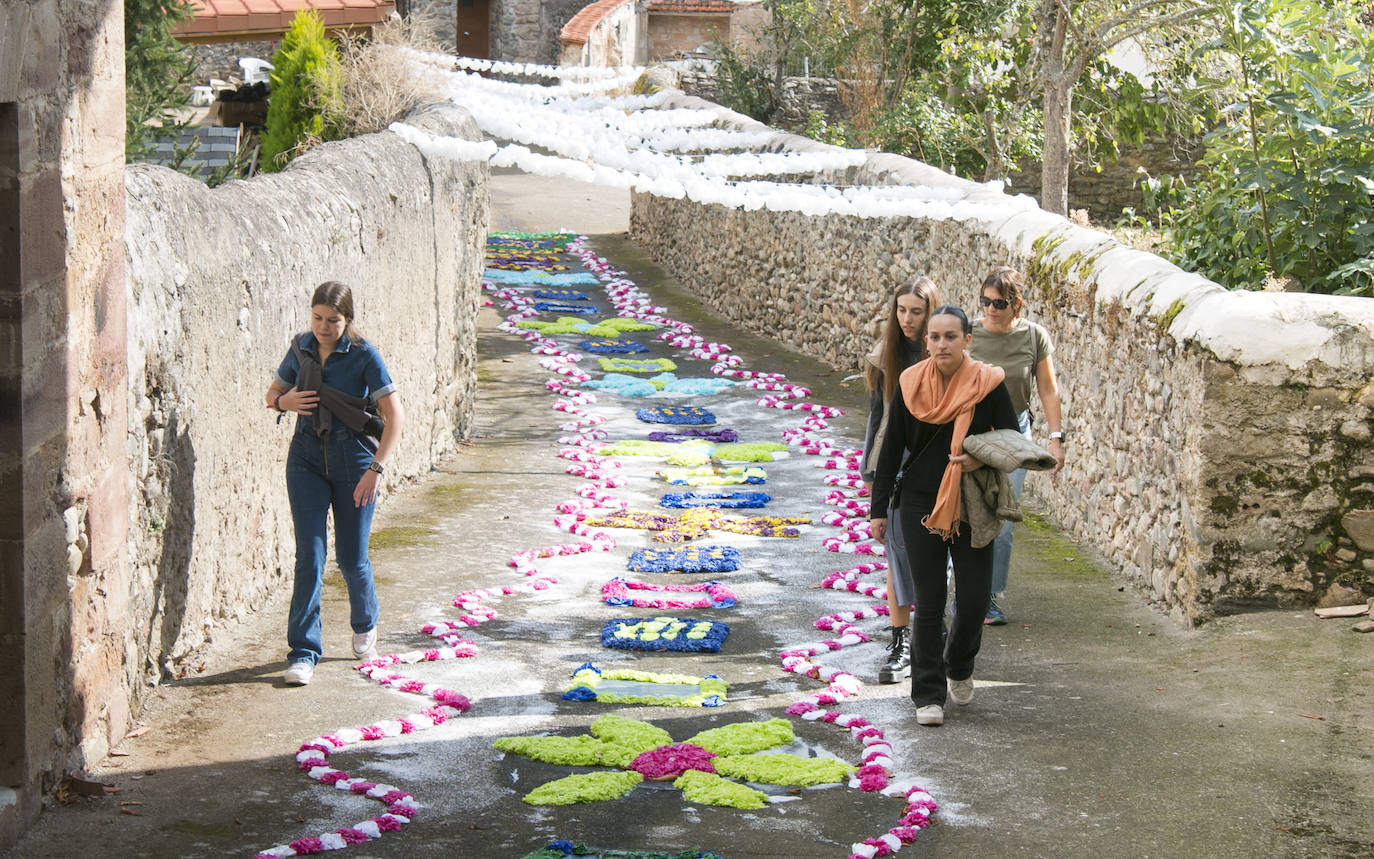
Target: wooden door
[{"x": 474, "y": 28}]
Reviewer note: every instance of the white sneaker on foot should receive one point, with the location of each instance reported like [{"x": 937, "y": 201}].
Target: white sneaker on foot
[
  {"x": 961, "y": 691},
  {"x": 298, "y": 673},
  {"x": 365, "y": 644},
  {"x": 931, "y": 714}
]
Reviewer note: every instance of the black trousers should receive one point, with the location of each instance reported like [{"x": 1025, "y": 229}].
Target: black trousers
[{"x": 932, "y": 659}]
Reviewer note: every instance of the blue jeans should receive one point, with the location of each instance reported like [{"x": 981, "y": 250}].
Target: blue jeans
[
  {"x": 321, "y": 475},
  {"x": 1001, "y": 547}
]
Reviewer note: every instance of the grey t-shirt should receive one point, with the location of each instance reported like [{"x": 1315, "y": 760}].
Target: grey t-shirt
[{"x": 1017, "y": 352}]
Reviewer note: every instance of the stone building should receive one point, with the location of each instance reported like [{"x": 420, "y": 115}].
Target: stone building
[
  {"x": 63, "y": 424},
  {"x": 639, "y": 32}
]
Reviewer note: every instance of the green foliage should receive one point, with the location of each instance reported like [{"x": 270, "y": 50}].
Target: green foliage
[
  {"x": 784, "y": 769},
  {"x": 1113, "y": 108},
  {"x": 157, "y": 72},
  {"x": 749, "y": 81},
  {"x": 1289, "y": 183},
  {"x": 306, "y": 80},
  {"x": 744, "y": 84},
  {"x": 945, "y": 81}
]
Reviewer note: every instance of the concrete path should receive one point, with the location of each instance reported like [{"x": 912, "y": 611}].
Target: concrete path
[{"x": 1098, "y": 728}]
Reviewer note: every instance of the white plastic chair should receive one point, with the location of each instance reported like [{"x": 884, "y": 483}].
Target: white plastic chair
[{"x": 255, "y": 70}]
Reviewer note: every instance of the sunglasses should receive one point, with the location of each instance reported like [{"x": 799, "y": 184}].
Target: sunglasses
[{"x": 999, "y": 303}]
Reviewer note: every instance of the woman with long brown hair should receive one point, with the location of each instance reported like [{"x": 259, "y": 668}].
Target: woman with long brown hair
[{"x": 902, "y": 345}]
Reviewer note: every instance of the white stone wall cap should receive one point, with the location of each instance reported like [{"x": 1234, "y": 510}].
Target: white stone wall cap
[
  {"x": 1282, "y": 329},
  {"x": 1020, "y": 230},
  {"x": 1250, "y": 329}
]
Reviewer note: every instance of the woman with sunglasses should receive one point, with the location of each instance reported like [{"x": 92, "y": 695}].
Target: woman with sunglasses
[
  {"x": 902, "y": 344},
  {"x": 1025, "y": 353},
  {"x": 939, "y": 402}
]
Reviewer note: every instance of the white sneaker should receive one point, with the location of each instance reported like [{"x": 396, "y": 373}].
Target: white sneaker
[
  {"x": 365, "y": 644},
  {"x": 298, "y": 673},
  {"x": 931, "y": 714},
  {"x": 961, "y": 691}
]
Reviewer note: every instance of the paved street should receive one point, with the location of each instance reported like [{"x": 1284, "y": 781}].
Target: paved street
[{"x": 1098, "y": 727}]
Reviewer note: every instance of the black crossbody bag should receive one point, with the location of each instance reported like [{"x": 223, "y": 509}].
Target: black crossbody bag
[{"x": 901, "y": 472}]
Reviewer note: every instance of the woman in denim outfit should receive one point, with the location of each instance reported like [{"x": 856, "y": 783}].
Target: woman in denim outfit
[{"x": 333, "y": 467}]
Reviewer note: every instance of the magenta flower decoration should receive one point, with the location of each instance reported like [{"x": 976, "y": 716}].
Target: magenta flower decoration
[{"x": 667, "y": 762}]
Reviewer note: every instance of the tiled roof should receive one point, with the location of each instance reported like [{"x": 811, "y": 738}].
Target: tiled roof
[
  {"x": 575, "y": 32},
  {"x": 222, "y": 20},
  {"x": 695, "y": 7}
]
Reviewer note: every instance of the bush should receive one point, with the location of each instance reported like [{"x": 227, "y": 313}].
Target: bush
[
  {"x": 377, "y": 84},
  {"x": 306, "y": 79},
  {"x": 745, "y": 85},
  {"x": 1288, "y": 190}
]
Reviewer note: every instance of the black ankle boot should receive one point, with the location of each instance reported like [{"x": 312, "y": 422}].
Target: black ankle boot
[{"x": 898, "y": 665}]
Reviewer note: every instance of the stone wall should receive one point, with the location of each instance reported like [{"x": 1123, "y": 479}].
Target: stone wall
[
  {"x": 670, "y": 36},
  {"x": 63, "y": 465},
  {"x": 800, "y": 96},
  {"x": 526, "y": 31},
  {"x": 1219, "y": 452},
  {"x": 219, "y": 280},
  {"x": 553, "y": 15}
]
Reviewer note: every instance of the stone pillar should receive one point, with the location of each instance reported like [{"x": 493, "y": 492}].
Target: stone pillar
[{"x": 63, "y": 430}]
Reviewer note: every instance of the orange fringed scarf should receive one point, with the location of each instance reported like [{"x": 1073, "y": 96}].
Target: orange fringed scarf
[{"x": 931, "y": 399}]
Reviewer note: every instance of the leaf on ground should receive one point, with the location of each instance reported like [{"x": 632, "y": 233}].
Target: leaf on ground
[{"x": 137, "y": 732}]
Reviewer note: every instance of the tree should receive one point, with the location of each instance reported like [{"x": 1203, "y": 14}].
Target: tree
[
  {"x": 306, "y": 77},
  {"x": 157, "y": 72},
  {"x": 1069, "y": 36}
]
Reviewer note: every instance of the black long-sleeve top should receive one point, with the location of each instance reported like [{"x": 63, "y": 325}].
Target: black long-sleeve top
[{"x": 904, "y": 432}]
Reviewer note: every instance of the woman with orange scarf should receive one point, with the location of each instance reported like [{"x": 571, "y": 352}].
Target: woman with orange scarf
[{"x": 940, "y": 401}]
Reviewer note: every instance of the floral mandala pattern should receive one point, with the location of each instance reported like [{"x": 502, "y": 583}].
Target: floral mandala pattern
[{"x": 702, "y": 767}]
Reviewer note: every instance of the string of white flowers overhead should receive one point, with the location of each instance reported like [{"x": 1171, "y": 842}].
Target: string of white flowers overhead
[{"x": 589, "y": 133}]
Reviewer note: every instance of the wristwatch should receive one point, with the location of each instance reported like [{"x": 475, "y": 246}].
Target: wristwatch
[
  {"x": 376, "y": 466},
  {"x": 1057, "y": 434}
]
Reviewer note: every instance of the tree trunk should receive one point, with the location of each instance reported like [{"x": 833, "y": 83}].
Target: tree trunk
[
  {"x": 1058, "y": 107},
  {"x": 1054, "y": 168}
]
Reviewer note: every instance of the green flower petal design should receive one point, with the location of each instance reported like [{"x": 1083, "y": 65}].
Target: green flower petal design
[
  {"x": 743, "y": 738},
  {"x": 616, "y": 741},
  {"x": 584, "y": 787},
  {"x": 631, "y": 734},
  {"x": 711, "y": 789},
  {"x": 784, "y": 769},
  {"x": 623, "y": 325},
  {"x": 580, "y": 751}
]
